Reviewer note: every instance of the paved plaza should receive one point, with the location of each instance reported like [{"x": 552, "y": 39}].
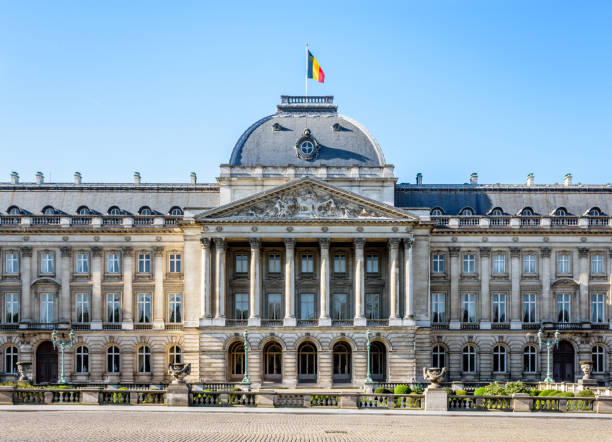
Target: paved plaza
[{"x": 122, "y": 425}]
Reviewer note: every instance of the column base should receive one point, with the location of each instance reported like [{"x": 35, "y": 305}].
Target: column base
[
  {"x": 325, "y": 322},
  {"x": 254, "y": 322},
  {"x": 158, "y": 324},
  {"x": 409, "y": 322},
  {"x": 289, "y": 322},
  {"x": 204, "y": 322},
  {"x": 436, "y": 399},
  {"x": 395, "y": 321},
  {"x": 516, "y": 324},
  {"x": 454, "y": 325},
  {"x": 360, "y": 322},
  {"x": 95, "y": 325},
  {"x": 219, "y": 322},
  {"x": 127, "y": 325},
  {"x": 485, "y": 325}
]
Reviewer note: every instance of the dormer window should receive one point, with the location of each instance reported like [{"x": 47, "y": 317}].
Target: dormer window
[
  {"x": 14, "y": 210},
  {"x": 83, "y": 210},
  {"x": 467, "y": 212},
  {"x": 527, "y": 211},
  {"x": 114, "y": 211},
  {"x": 595, "y": 211},
  {"x": 437, "y": 212},
  {"x": 176, "y": 211},
  {"x": 48, "y": 210},
  {"x": 497, "y": 212},
  {"x": 561, "y": 211},
  {"x": 145, "y": 211}
]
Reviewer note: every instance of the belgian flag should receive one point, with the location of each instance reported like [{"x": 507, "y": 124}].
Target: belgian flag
[{"x": 314, "y": 70}]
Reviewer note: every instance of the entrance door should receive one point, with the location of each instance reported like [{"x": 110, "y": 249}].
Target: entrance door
[
  {"x": 46, "y": 363},
  {"x": 563, "y": 362}
]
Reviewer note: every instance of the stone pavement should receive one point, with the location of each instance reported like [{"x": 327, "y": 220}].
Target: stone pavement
[{"x": 125, "y": 423}]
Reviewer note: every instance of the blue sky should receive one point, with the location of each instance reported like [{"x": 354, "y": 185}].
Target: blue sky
[{"x": 502, "y": 88}]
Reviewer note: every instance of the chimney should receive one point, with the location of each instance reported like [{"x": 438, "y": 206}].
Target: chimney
[
  {"x": 77, "y": 177},
  {"x": 567, "y": 179},
  {"x": 530, "y": 179},
  {"x": 419, "y": 179},
  {"x": 474, "y": 178},
  {"x": 14, "y": 178},
  {"x": 194, "y": 178},
  {"x": 40, "y": 178},
  {"x": 136, "y": 177}
]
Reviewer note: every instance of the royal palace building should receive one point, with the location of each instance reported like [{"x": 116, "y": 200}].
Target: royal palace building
[{"x": 307, "y": 242}]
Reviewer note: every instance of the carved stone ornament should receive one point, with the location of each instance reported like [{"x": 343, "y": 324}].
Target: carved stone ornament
[
  {"x": 178, "y": 372},
  {"x": 306, "y": 147},
  {"x": 435, "y": 376}
]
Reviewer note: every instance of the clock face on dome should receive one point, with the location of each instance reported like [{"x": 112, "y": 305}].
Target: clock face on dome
[{"x": 307, "y": 147}]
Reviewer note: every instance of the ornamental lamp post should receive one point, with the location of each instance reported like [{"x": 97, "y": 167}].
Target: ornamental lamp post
[
  {"x": 368, "y": 345},
  {"x": 245, "y": 379},
  {"x": 549, "y": 345},
  {"x": 62, "y": 344}
]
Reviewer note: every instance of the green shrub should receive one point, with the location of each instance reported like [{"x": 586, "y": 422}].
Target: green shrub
[
  {"x": 236, "y": 389},
  {"x": 567, "y": 394},
  {"x": 515, "y": 387},
  {"x": 534, "y": 392},
  {"x": 460, "y": 393},
  {"x": 586, "y": 393},
  {"x": 480, "y": 391},
  {"x": 548, "y": 393},
  {"x": 57, "y": 387},
  {"x": 401, "y": 389},
  {"x": 382, "y": 390}
]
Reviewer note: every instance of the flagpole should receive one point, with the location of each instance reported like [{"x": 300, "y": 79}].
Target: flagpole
[{"x": 306, "y": 70}]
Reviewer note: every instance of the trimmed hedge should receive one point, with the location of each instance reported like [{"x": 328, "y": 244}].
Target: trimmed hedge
[
  {"x": 586, "y": 393},
  {"x": 401, "y": 389},
  {"x": 382, "y": 390}
]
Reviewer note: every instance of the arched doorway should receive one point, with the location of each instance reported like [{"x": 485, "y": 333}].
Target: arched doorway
[
  {"x": 46, "y": 363},
  {"x": 307, "y": 363},
  {"x": 236, "y": 361},
  {"x": 378, "y": 361},
  {"x": 342, "y": 363},
  {"x": 273, "y": 362},
  {"x": 563, "y": 362}
]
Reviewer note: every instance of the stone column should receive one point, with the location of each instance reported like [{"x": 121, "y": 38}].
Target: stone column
[
  {"x": 192, "y": 277},
  {"x": 324, "y": 319},
  {"x": 359, "y": 282},
  {"x": 96, "y": 288},
  {"x": 158, "y": 295},
  {"x": 408, "y": 289},
  {"x": 65, "y": 301},
  {"x": 290, "y": 320},
  {"x": 205, "y": 299},
  {"x": 254, "y": 291},
  {"x": 393, "y": 279},
  {"x": 26, "y": 291},
  {"x": 583, "y": 280},
  {"x": 455, "y": 296},
  {"x": 515, "y": 301},
  {"x": 128, "y": 289},
  {"x": 219, "y": 281},
  {"x": 546, "y": 304},
  {"x": 485, "y": 296}
]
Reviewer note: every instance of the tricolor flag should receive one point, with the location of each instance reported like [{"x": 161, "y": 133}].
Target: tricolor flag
[{"x": 314, "y": 70}]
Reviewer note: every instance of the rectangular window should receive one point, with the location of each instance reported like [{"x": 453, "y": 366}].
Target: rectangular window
[
  {"x": 307, "y": 263},
  {"x": 307, "y": 306},
  {"x": 242, "y": 263},
  {"x": 144, "y": 308},
  {"x": 241, "y": 306},
  {"x": 112, "y": 263},
  {"x": 175, "y": 263},
  {"x": 598, "y": 303},
  {"x": 469, "y": 263},
  {"x": 563, "y": 307},
  {"x": 11, "y": 306},
  {"x": 373, "y": 307},
  {"x": 339, "y": 263},
  {"x": 175, "y": 308},
  {"x": 274, "y": 306},
  {"x": 82, "y": 307},
  {"x": 274, "y": 263},
  {"x": 46, "y": 307},
  {"x": 499, "y": 307},
  {"x": 82, "y": 263},
  {"x": 46, "y": 263},
  {"x": 113, "y": 307},
  {"x": 499, "y": 263},
  {"x": 339, "y": 306},
  {"x": 529, "y": 264},
  {"x": 597, "y": 264},
  {"x": 563, "y": 263},
  {"x": 372, "y": 263},
  {"x": 438, "y": 305},
  {"x": 529, "y": 307},
  {"x": 438, "y": 264},
  {"x": 11, "y": 263},
  {"x": 144, "y": 262},
  {"x": 469, "y": 308}
]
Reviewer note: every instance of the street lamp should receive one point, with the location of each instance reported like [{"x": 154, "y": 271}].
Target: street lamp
[
  {"x": 62, "y": 344},
  {"x": 368, "y": 345},
  {"x": 549, "y": 345},
  {"x": 245, "y": 379}
]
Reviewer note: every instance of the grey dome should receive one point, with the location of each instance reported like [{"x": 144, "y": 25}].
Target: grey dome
[{"x": 342, "y": 141}]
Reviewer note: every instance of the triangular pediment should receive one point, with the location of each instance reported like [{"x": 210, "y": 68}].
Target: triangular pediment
[{"x": 307, "y": 199}]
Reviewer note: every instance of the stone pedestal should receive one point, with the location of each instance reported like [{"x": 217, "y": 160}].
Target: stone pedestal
[
  {"x": 6, "y": 395},
  {"x": 349, "y": 401},
  {"x": 521, "y": 402},
  {"x": 177, "y": 395},
  {"x": 604, "y": 405},
  {"x": 436, "y": 399},
  {"x": 264, "y": 400},
  {"x": 90, "y": 397},
  {"x": 588, "y": 382}
]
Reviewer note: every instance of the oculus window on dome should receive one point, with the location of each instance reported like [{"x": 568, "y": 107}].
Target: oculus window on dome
[{"x": 307, "y": 147}]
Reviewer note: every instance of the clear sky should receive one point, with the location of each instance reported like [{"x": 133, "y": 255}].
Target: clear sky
[{"x": 502, "y": 88}]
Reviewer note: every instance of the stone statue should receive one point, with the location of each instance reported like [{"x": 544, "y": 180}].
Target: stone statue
[
  {"x": 434, "y": 375},
  {"x": 22, "y": 368},
  {"x": 178, "y": 372},
  {"x": 587, "y": 368}
]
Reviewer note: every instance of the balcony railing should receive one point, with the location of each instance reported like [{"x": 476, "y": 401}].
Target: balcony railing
[
  {"x": 272, "y": 322},
  {"x": 470, "y": 326},
  {"x": 143, "y": 221},
  {"x": 9, "y": 326},
  {"x": 377, "y": 322},
  {"x": 564, "y": 221},
  {"x": 111, "y": 326},
  {"x": 499, "y": 222},
  {"x": 600, "y": 326},
  {"x": 143, "y": 326},
  {"x": 230, "y": 322},
  {"x": 500, "y": 325},
  {"x": 173, "y": 326},
  {"x": 439, "y": 326},
  {"x": 80, "y": 221},
  {"x": 307, "y": 322},
  {"x": 598, "y": 222},
  {"x": 45, "y": 220},
  {"x": 342, "y": 322},
  {"x": 531, "y": 326},
  {"x": 42, "y": 325},
  {"x": 9, "y": 220},
  {"x": 469, "y": 221},
  {"x": 568, "y": 325},
  {"x": 530, "y": 222},
  {"x": 81, "y": 326},
  {"x": 290, "y": 99},
  {"x": 112, "y": 221}
]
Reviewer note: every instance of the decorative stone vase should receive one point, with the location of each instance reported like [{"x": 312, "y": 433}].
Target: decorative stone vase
[
  {"x": 435, "y": 376},
  {"x": 587, "y": 368}
]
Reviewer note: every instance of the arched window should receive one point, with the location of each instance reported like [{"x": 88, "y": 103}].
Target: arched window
[
  {"x": 48, "y": 210},
  {"x": 113, "y": 360},
  {"x": 273, "y": 362},
  {"x": 81, "y": 360},
  {"x": 114, "y": 210},
  {"x": 378, "y": 361},
  {"x": 342, "y": 363},
  {"x": 307, "y": 362},
  {"x": 499, "y": 359},
  {"x": 145, "y": 211},
  {"x": 469, "y": 359},
  {"x": 13, "y": 210},
  {"x": 439, "y": 357},
  {"x": 497, "y": 212},
  {"x": 436, "y": 212},
  {"x": 561, "y": 211},
  {"x": 11, "y": 356},
  {"x": 530, "y": 359},
  {"x": 527, "y": 211},
  {"x": 595, "y": 211},
  {"x": 599, "y": 359},
  {"x": 144, "y": 359},
  {"x": 83, "y": 210},
  {"x": 467, "y": 212},
  {"x": 176, "y": 211},
  {"x": 236, "y": 361},
  {"x": 175, "y": 355}
]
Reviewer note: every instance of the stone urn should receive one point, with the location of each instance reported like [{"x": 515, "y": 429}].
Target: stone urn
[
  {"x": 178, "y": 372},
  {"x": 587, "y": 368},
  {"x": 23, "y": 368},
  {"x": 434, "y": 376}
]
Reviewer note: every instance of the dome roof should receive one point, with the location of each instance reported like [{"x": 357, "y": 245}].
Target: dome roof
[{"x": 335, "y": 140}]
